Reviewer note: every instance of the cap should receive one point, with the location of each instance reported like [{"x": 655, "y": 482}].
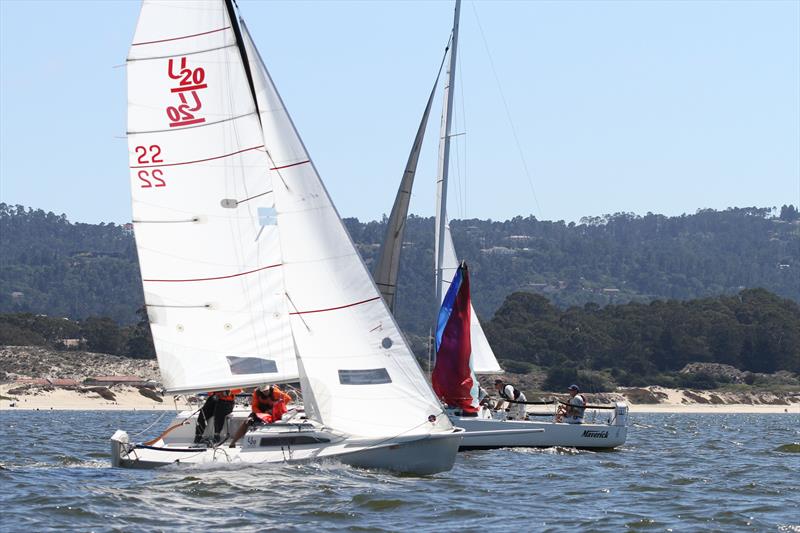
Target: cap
[
  {"x": 498, "y": 380},
  {"x": 573, "y": 387}
]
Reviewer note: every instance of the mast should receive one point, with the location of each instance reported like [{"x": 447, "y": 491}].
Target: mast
[{"x": 444, "y": 159}]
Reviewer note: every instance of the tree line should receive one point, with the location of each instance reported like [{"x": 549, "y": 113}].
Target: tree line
[
  {"x": 95, "y": 334},
  {"x": 49, "y": 265},
  {"x": 646, "y": 343}
]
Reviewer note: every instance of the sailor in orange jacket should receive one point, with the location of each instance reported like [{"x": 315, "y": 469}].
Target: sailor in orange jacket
[
  {"x": 219, "y": 404},
  {"x": 268, "y": 406}
]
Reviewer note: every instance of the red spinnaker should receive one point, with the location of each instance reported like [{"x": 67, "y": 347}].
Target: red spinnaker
[{"x": 452, "y": 377}]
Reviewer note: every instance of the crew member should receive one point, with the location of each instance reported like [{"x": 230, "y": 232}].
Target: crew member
[
  {"x": 219, "y": 404},
  {"x": 511, "y": 396},
  {"x": 572, "y": 411},
  {"x": 484, "y": 398},
  {"x": 268, "y": 406}
]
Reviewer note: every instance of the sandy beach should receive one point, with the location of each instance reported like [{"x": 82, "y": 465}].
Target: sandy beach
[
  {"x": 125, "y": 399},
  {"x": 130, "y": 398}
]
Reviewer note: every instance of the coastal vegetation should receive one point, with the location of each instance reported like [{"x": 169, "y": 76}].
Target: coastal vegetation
[
  {"x": 49, "y": 265},
  {"x": 616, "y": 300}
]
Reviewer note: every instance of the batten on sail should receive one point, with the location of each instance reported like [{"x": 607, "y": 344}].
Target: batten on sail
[{"x": 209, "y": 251}]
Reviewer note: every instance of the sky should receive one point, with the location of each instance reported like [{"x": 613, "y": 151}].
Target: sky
[{"x": 566, "y": 109}]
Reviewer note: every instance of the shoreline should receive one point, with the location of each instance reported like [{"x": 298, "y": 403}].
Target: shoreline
[{"x": 127, "y": 398}]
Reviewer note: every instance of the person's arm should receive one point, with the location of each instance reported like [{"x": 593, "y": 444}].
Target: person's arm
[
  {"x": 285, "y": 397},
  {"x": 254, "y": 404}
]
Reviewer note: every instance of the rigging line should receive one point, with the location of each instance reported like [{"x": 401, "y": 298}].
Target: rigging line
[
  {"x": 295, "y": 308},
  {"x": 508, "y": 113},
  {"x": 253, "y": 197},
  {"x": 464, "y": 127},
  {"x": 195, "y": 219},
  {"x": 202, "y": 306}
]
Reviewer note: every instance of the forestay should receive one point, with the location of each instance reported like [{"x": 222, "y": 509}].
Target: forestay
[
  {"x": 203, "y": 208},
  {"x": 359, "y": 375}
]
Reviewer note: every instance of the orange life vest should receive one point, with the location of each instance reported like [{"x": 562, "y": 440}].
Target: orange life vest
[
  {"x": 279, "y": 401},
  {"x": 226, "y": 395}
]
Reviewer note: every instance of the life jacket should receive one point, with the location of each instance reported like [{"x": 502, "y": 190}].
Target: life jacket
[
  {"x": 226, "y": 395},
  {"x": 515, "y": 394},
  {"x": 259, "y": 404},
  {"x": 577, "y": 411}
]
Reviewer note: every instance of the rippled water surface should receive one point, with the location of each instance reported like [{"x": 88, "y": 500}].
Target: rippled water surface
[{"x": 681, "y": 472}]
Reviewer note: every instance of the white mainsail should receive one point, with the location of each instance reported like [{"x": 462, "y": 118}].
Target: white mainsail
[
  {"x": 388, "y": 264},
  {"x": 203, "y": 207},
  {"x": 361, "y": 375}
]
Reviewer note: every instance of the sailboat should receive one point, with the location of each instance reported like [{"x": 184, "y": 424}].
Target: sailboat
[
  {"x": 249, "y": 275},
  {"x": 484, "y": 428}
]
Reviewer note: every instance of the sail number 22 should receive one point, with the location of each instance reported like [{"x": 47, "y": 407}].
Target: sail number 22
[{"x": 146, "y": 156}]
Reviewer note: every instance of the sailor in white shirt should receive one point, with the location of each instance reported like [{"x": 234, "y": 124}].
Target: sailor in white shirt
[
  {"x": 508, "y": 394},
  {"x": 572, "y": 412}
]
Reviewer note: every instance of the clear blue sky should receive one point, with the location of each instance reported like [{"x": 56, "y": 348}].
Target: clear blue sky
[{"x": 619, "y": 106}]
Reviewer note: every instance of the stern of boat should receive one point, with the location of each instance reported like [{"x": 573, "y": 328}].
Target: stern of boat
[
  {"x": 120, "y": 444},
  {"x": 423, "y": 456}
]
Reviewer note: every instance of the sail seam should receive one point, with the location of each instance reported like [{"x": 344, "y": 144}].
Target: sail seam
[
  {"x": 198, "y": 160},
  {"x": 336, "y": 308},
  {"x": 179, "y": 54},
  {"x": 184, "y": 37},
  {"x": 214, "y": 278},
  {"x": 197, "y": 126}
]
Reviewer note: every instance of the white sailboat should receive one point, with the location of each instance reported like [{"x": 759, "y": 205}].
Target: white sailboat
[
  {"x": 249, "y": 274},
  {"x": 488, "y": 429}
]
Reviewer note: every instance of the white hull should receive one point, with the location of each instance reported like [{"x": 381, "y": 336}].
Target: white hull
[
  {"x": 590, "y": 436},
  {"x": 293, "y": 442}
]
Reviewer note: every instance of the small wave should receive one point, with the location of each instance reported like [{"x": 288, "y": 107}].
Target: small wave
[
  {"x": 553, "y": 450},
  {"x": 377, "y": 504},
  {"x": 644, "y": 523},
  {"x": 789, "y": 448}
]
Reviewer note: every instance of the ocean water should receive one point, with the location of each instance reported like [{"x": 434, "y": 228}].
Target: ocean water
[{"x": 684, "y": 472}]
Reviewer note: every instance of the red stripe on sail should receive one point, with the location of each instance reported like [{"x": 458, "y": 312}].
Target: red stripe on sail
[
  {"x": 198, "y": 160},
  {"x": 335, "y": 308},
  {"x": 291, "y": 165},
  {"x": 214, "y": 278},
  {"x": 184, "y": 37}
]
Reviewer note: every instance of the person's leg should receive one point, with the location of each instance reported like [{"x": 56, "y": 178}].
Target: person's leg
[
  {"x": 203, "y": 416},
  {"x": 243, "y": 429},
  {"x": 224, "y": 408}
]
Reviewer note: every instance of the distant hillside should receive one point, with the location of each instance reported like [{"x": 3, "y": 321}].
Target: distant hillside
[
  {"x": 51, "y": 266},
  {"x": 754, "y": 331}
]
